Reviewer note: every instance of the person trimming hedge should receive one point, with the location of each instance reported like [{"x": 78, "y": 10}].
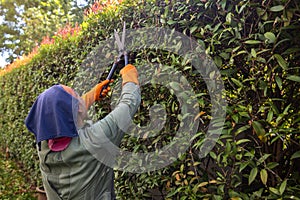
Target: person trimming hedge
[{"x": 75, "y": 154}]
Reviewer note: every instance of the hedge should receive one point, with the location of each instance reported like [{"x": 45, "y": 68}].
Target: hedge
[{"x": 255, "y": 46}]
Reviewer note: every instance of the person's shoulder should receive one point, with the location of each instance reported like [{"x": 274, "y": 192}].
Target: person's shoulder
[{"x": 87, "y": 124}]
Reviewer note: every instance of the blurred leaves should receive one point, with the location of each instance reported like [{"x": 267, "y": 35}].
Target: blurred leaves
[
  {"x": 25, "y": 23},
  {"x": 13, "y": 181}
]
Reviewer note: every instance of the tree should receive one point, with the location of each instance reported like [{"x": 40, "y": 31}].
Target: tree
[
  {"x": 9, "y": 28},
  {"x": 25, "y": 23}
]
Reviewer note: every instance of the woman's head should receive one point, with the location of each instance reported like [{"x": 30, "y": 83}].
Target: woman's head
[
  {"x": 57, "y": 112},
  {"x": 82, "y": 110}
]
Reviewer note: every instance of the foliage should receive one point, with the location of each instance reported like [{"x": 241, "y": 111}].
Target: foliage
[
  {"x": 256, "y": 48},
  {"x": 14, "y": 183},
  {"x": 98, "y": 6},
  {"x": 62, "y": 33},
  {"x": 25, "y": 23},
  {"x": 18, "y": 62}
]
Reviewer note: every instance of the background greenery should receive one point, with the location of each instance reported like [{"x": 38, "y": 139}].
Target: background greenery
[
  {"x": 24, "y": 24},
  {"x": 255, "y": 45},
  {"x": 14, "y": 182}
]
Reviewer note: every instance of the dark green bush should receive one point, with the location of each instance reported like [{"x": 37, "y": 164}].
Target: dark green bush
[{"x": 255, "y": 45}]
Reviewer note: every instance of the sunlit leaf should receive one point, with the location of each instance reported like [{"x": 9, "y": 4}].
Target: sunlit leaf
[
  {"x": 277, "y": 8},
  {"x": 242, "y": 141},
  {"x": 270, "y": 36},
  {"x": 264, "y": 176},
  {"x": 274, "y": 190},
  {"x": 294, "y": 78},
  {"x": 282, "y": 187},
  {"x": 252, "y": 42},
  {"x": 253, "y": 53},
  {"x": 202, "y": 184}
]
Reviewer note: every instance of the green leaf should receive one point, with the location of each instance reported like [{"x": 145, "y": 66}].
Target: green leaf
[
  {"x": 282, "y": 187},
  {"x": 277, "y": 8},
  {"x": 228, "y": 18},
  {"x": 274, "y": 108},
  {"x": 243, "y": 165},
  {"x": 264, "y": 176},
  {"x": 259, "y": 130},
  {"x": 244, "y": 114},
  {"x": 263, "y": 158},
  {"x": 171, "y": 22},
  {"x": 270, "y": 116},
  {"x": 295, "y": 155},
  {"x": 191, "y": 173},
  {"x": 252, "y": 42},
  {"x": 274, "y": 190},
  {"x": 237, "y": 82},
  {"x": 218, "y": 61},
  {"x": 193, "y": 29},
  {"x": 272, "y": 165},
  {"x": 293, "y": 78},
  {"x": 279, "y": 81},
  {"x": 228, "y": 147},
  {"x": 253, "y": 53},
  {"x": 270, "y": 36},
  {"x": 213, "y": 155},
  {"x": 281, "y": 61},
  {"x": 242, "y": 129},
  {"x": 285, "y": 112},
  {"x": 235, "y": 118},
  {"x": 202, "y": 184},
  {"x": 252, "y": 175},
  {"x": 242, "y": 141}
]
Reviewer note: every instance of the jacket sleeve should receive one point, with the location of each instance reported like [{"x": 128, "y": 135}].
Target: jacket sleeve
[{"x": 103, "y": 138}]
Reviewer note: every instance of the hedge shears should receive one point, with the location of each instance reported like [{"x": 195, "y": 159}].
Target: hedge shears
[{"x": 122, "y": 52}]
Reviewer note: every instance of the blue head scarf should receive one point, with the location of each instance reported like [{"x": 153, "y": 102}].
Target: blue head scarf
[{"x": 53, "y": 115}]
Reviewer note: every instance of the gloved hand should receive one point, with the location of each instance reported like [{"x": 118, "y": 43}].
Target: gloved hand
[
  {"x": 94, "y": 94},
  {"x": 129, "y": 74}
]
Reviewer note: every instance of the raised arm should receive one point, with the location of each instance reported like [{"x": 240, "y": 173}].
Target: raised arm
[{"x": 105, "y": 135}]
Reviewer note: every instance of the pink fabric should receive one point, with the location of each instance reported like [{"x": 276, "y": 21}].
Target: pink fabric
[{"x": 59, "y": 144}]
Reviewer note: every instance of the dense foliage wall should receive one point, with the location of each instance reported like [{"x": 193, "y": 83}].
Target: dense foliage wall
[{"x": 255, "y": 44}]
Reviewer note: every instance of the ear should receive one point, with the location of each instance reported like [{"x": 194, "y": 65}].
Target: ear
[
  {"x": 81, "y": 106},
  {"x": 80, "y": 109}
]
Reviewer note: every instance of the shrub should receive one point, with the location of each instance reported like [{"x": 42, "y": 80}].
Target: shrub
[{"x": 256, "y": 48}]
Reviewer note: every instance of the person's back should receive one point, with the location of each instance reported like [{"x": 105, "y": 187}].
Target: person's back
[{"x": 75, "y": 174}]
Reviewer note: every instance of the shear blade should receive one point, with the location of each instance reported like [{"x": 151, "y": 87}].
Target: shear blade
[{"x": 121, "y": 44}]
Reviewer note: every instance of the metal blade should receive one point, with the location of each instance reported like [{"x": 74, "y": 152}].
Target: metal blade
[
  {"x": 120, "y": 46},
  {"x": 123, "y": 35}
]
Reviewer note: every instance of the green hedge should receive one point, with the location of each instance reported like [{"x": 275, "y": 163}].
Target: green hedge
[{"x": 256, "y": 48}]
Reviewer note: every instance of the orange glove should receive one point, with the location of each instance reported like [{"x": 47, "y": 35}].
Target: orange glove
[
  {"x": 129, "y": 74},
  {"x": 94, "y": 94}
]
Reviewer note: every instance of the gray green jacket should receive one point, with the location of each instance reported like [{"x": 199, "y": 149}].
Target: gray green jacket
[{"x": 78, "y": 172}]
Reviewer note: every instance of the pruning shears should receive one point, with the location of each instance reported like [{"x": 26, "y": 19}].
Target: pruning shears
[{"x": 122, "y": 52}]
